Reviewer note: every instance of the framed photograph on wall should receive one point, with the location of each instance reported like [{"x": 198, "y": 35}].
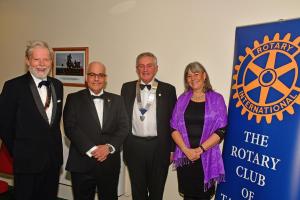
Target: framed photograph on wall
[{"x": 69, "y": 65}]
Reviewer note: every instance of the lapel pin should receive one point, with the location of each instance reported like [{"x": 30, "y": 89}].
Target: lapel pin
[
  {"x": 108, "y": 100},
  {"x": 159, "y": 94}
]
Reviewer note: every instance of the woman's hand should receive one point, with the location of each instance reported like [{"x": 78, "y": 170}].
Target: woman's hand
[
  {"x": 199, "y": 150},
  {"x": 192, "y": 154}
]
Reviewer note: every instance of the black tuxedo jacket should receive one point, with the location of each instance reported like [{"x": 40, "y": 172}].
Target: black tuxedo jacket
[
  {"x": 165, "y": 102},
  {"x": 83, "y": 128},
  {"x": 34, "y": 143}
]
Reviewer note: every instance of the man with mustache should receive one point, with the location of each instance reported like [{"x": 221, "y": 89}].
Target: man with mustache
[
  {"x": 96, "y": 123},
  {"x": 31, "y": 108}
]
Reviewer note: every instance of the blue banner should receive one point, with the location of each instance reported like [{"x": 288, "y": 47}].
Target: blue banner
[{"x": 262, "y": 146}]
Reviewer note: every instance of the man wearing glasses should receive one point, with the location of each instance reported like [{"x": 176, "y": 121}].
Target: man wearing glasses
[{"x": 96, "y": 123}]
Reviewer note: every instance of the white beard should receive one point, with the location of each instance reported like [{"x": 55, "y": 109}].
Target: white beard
[{"x": 38, "y": 74}]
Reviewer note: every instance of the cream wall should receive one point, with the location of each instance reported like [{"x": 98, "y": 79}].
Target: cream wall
[{"x": 177, "y": 31}]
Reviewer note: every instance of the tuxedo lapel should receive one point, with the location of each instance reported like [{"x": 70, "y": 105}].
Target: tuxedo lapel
[
  {"x": 37, "y": 99},
  {"x": 159, "y": 107},
  {"x": 91, "y": 106},
  {"x": 131, "y": 99},
  {"x": 54, "y": 102},
  {"x": 106, "y": 108}
]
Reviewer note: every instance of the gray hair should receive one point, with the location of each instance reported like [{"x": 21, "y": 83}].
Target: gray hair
[
  {"x": 95, "y": 63},
  {"x": 37, "y": 43},
  {"x": 196, "y": 67},
  {"x": 146, "y": 54}
]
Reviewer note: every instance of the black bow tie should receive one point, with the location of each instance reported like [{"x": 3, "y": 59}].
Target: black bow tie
[
  {"x": 45, "y": 83},
  {"x": 142, "y": 86},
  {"x": 97, "y": 97},
  {"x": 48, "y": 99}
]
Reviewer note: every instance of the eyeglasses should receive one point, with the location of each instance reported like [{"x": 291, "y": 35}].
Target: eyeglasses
[{"x": 93, "y": 75}]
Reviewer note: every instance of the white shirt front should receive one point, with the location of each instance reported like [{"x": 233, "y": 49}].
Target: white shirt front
[
  {"x": 99, "y": 106},
  {"x": 43, "y": 94},
  {"x": 147, "y": 127},
  {"x": 99, "y": 103}
]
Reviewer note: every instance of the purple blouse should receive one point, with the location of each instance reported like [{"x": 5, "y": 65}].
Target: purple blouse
[{"x": 215, "y": 118}]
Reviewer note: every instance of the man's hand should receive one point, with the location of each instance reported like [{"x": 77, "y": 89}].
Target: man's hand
[{"x": 101, "y": 152}]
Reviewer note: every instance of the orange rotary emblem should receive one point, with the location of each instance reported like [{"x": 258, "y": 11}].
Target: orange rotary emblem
[{"x": 266, "y": 82}]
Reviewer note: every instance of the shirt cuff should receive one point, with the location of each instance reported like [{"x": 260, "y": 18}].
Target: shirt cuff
[
  {"x": 113, "y": 148},
  {"x": 89, "y": 152}
]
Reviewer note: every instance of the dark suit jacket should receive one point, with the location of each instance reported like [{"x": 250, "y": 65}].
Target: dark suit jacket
[
  {"x": 83, "y": 128},
  {"x": 165, "y": 101},
  {"x": 34, "y": 143}
]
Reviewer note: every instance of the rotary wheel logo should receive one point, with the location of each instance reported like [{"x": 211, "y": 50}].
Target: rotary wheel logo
[{"x": 266, "y": 82}]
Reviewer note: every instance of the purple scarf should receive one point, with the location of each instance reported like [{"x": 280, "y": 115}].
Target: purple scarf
[{"x": 215, "y": 118}]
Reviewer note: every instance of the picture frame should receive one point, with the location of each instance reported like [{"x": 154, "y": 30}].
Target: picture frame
[{"x": 69, "y": 65}]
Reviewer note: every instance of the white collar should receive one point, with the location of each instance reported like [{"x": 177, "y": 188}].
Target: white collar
[
  {"x": 150, "y": 83},
  {"x": 92, "y": 93}
]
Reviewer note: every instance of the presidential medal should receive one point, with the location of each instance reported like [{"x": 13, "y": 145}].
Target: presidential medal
[{"x": 142, "y": 117}]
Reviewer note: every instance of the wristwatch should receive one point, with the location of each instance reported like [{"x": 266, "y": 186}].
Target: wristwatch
[{"x": 110, "y": 148}]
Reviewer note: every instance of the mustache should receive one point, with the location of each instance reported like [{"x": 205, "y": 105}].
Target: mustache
[{"x": 37, "y": 73}]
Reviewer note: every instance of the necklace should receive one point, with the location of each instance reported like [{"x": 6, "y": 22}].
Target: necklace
[
  {"x": 198, "y": 98},
  {"x": 149, "y": 101}
]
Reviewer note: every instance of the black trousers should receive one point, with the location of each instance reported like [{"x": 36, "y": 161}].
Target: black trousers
[
  {"x": 37, "y": 186},
  {"x": 104, "y": 176},
  {"x": 146, "y": 170}
]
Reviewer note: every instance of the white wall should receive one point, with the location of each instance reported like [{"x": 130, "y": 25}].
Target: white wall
[{"x": 177, "y": 31}]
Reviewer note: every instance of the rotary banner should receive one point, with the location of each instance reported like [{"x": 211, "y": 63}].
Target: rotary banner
[{"x": 262, "y": 146}]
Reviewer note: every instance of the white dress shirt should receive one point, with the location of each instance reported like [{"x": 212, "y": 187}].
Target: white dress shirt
[
  {"x": 99, "y": 108},
  {"x": 43, "y": 94},
  {"x": 147, "y": 127}
]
